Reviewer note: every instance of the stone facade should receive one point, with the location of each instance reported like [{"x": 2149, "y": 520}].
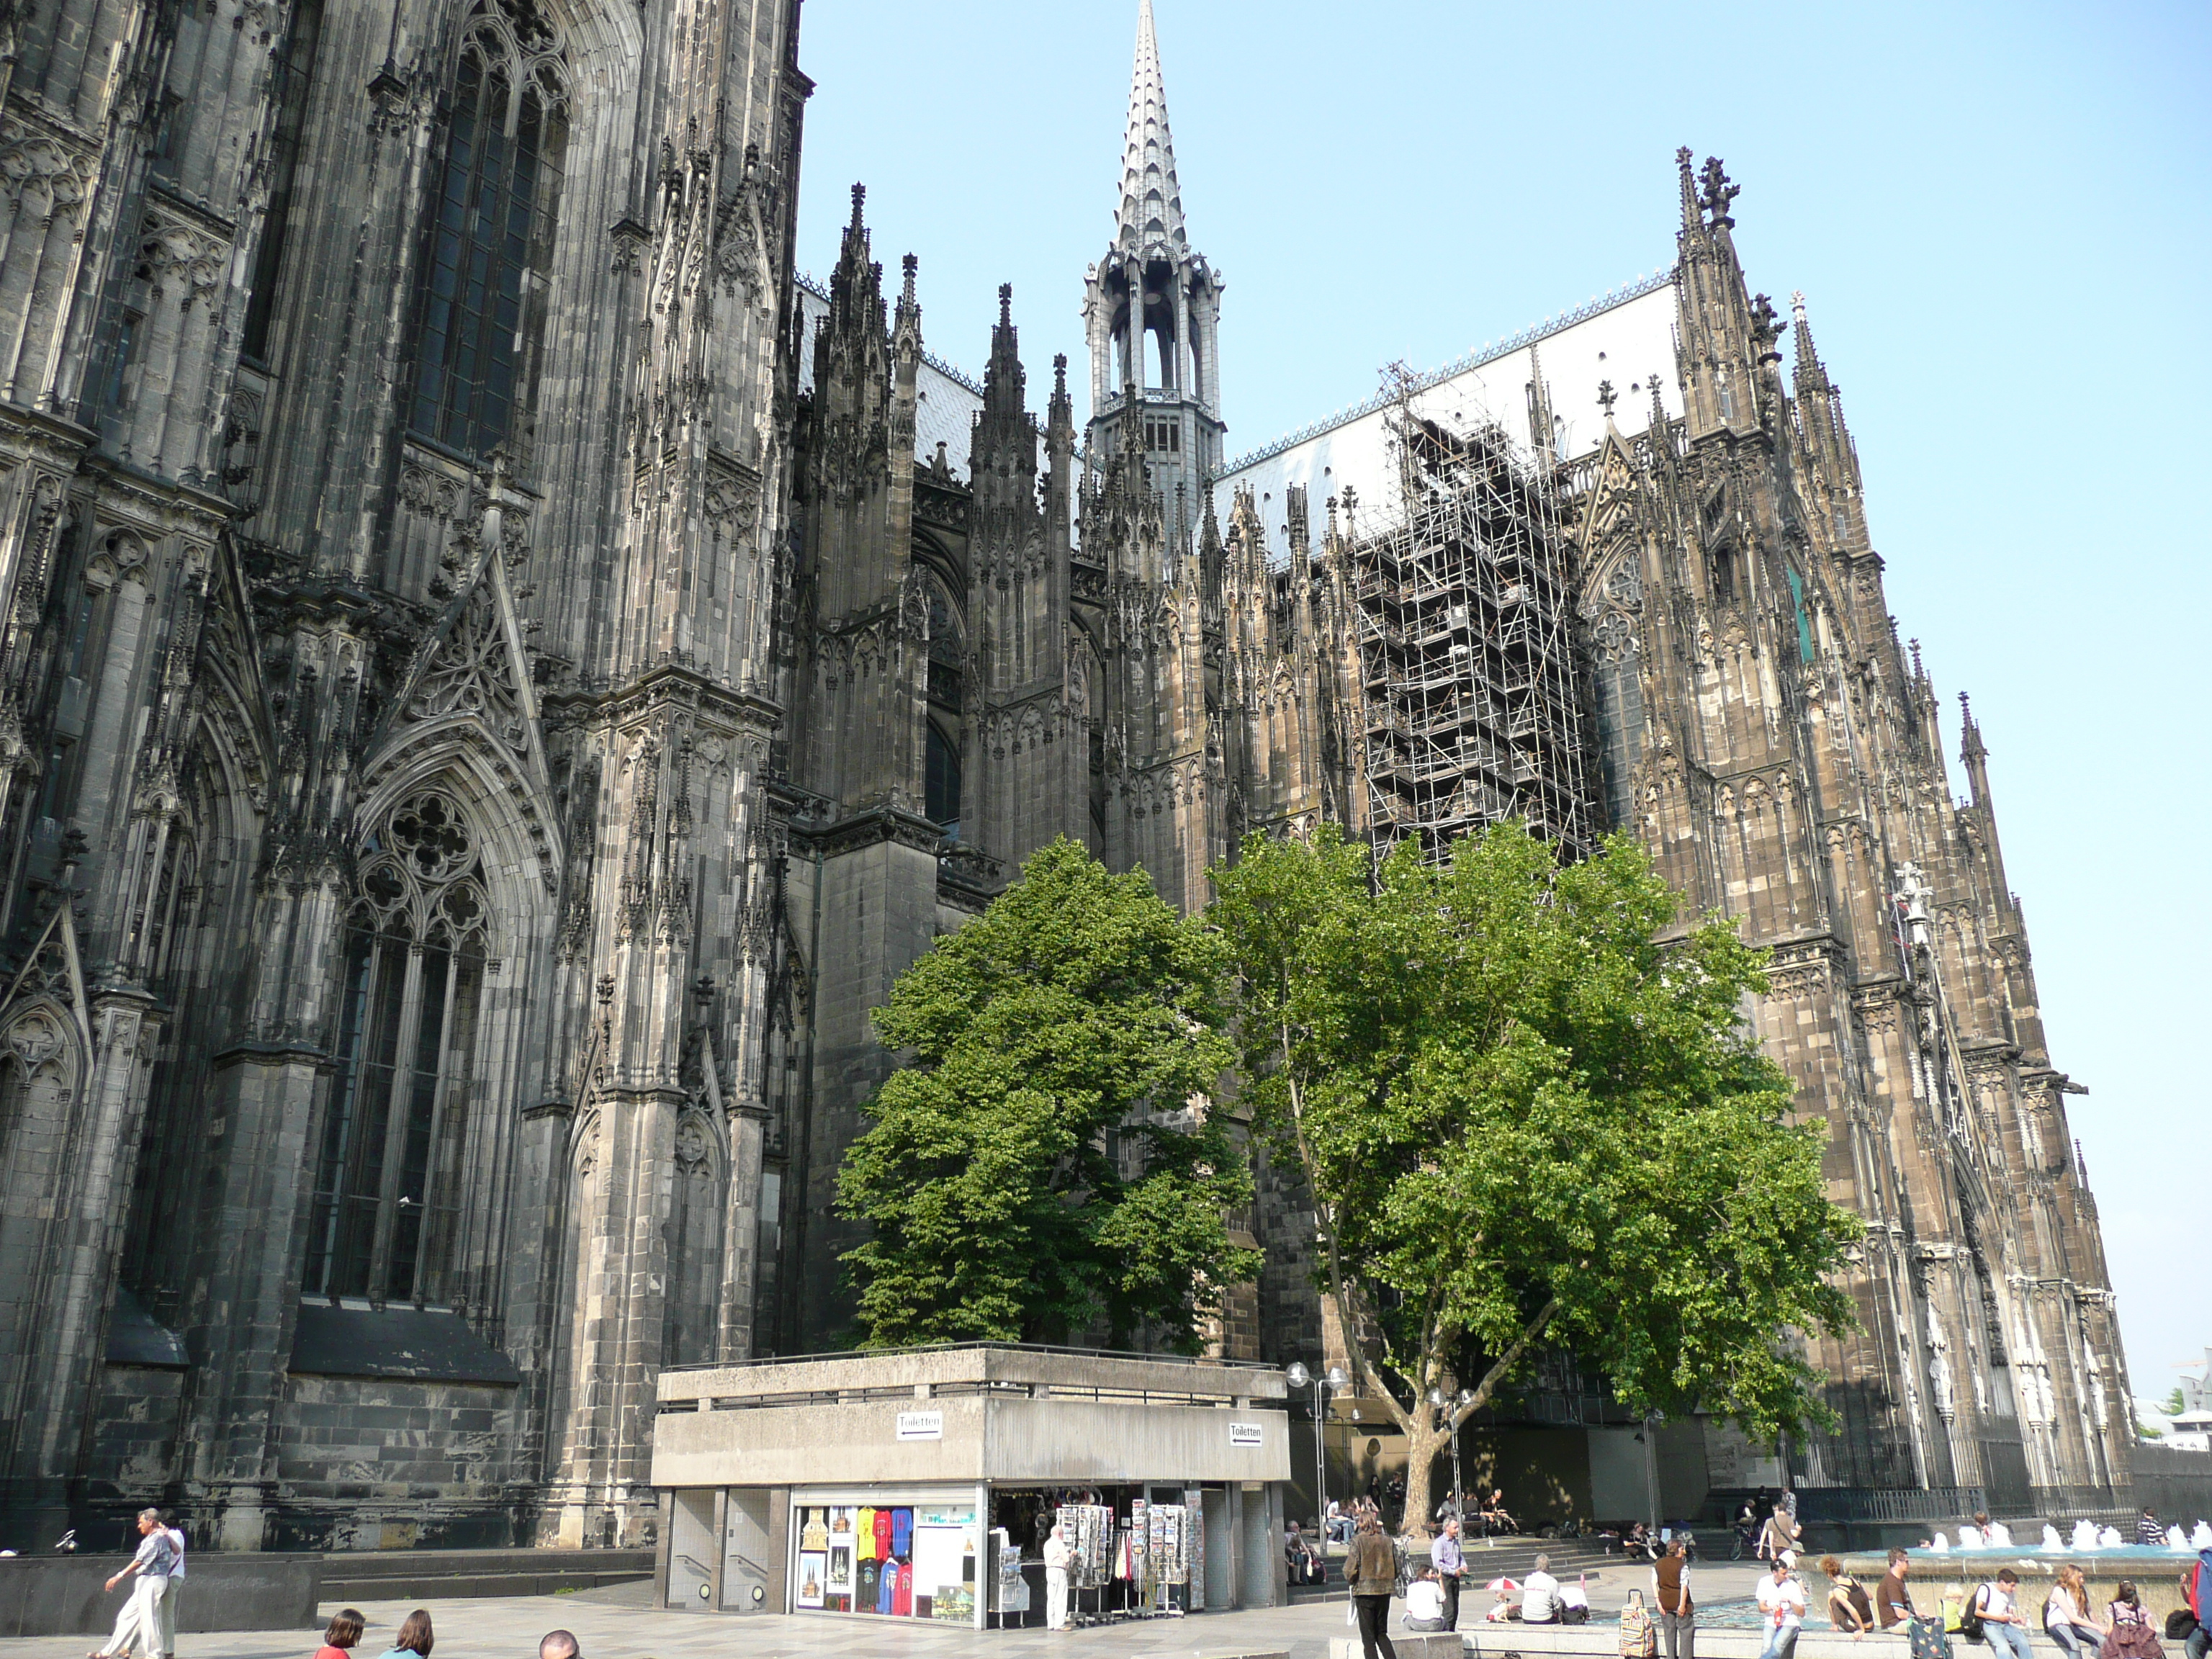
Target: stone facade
[{"x": 497, "y": 679}]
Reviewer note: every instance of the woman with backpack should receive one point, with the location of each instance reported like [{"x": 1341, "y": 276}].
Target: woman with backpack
[
  {"x": 2066, "y": 1619},
  {"x": 2131, "y": 1636}
]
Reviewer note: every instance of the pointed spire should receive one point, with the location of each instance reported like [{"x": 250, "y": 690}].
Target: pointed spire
[
  {"x": 1692, "y": 219},
  {"x": 1809, "y": 368},
  {"x": 1971, "y": 749},
  {"x": 908, "y": 319},
  {"x": 1004, "y": 381},
  {"x": 1151, "y": 200}
]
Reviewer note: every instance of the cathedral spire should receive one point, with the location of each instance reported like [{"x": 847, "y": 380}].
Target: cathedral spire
[
  {"x": 1151, "y": 201},
  {"x": 1820, "y": 415}
]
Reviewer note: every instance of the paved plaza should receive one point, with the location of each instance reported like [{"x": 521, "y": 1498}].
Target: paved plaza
[{"x": 620, "y": 1623}]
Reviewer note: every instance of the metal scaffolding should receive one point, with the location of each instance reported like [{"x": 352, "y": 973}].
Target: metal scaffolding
[{"x": 1472, "y": 713}]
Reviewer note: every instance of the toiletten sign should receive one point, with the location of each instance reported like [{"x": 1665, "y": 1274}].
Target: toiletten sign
[
  {"x": 1246, "y": 1434},
  {"x": 921, "y": 1425}
]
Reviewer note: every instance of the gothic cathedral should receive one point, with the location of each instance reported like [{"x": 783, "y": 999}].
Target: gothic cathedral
[{"x": 498, "y": 675}]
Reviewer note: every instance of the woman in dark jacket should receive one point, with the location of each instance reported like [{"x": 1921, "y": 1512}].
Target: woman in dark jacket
[{"x": 1371, "y": 1568}]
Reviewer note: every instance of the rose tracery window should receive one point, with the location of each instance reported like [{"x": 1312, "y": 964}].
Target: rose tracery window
[{"x": 388, "y": 1183}]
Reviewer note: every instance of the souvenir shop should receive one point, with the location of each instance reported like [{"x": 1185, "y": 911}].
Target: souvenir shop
[
  {"x": 1137, "y": 1551},
  {"x": 925, "y": 1486}
]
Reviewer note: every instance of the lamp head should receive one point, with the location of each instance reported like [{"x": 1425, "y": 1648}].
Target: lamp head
[
  {"x": 1298, "y": 1375},
  {"x": 1337, "y": 1379}
]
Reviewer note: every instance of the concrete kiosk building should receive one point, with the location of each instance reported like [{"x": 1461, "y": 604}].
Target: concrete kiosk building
[{"x": 770, "y": 1473}]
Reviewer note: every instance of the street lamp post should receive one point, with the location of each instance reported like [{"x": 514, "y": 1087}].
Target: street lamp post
[
  {"x": 1298, "y": 1377},
  {"x": 1444, "y": 1406}
]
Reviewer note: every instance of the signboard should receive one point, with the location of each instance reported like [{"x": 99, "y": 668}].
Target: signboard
[
  {"x": 1246, "y": 1434},
  {"x": 924, "y": 1425}
]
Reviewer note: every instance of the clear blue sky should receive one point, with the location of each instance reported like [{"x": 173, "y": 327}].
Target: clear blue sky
[{"x": 2000, "y": 217}]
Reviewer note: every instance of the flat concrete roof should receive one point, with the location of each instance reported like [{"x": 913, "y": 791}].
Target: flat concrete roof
[
  {"x": 969, "y": 1414},
  {"x": 911, "y": 1371}
]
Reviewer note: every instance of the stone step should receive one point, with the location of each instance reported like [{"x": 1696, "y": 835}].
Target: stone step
[{"x": 426, "y": 1575}]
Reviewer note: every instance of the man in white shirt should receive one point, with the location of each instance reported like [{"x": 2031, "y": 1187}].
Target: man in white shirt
[
  {"x": 1998, "y": 1604},
  {"x": 1540, "y": 1595},
  {"x": 1057, "y": 1558},
  {"x": 1780, "y": 1608}
]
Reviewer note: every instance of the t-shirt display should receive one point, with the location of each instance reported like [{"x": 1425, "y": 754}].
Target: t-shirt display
[{"x": 896, "y": 1561}]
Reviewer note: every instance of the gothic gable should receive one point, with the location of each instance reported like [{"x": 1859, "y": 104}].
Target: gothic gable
[{"x": 467, "y": 689}]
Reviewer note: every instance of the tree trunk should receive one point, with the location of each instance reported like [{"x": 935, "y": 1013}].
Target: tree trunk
[{"x": 1423, "y": 1444}]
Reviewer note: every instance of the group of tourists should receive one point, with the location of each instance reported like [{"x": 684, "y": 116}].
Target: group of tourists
[
  {"x": 1995, "y": 1613},
  {"x": 416, "y": 1638},
  {"x": 148, "y": 1627}
]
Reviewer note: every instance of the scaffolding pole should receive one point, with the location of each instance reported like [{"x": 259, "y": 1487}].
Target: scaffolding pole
[{"x": 1466, "y": 649}]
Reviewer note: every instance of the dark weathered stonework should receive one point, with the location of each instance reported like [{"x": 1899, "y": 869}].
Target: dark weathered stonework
[{"x": 455, "y": 828}]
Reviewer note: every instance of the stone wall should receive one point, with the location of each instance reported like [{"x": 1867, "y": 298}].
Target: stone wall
[{"x": 381, "y": 1463}]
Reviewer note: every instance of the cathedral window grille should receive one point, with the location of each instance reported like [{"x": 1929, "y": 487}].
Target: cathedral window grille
[
  {"x": 941, "y": 781},
  {"x": 292, "y": 64},
  {"x": 387, "y": 1190},
  {"x": 490, "y": 243},
  {"x": 1724, "y": 574},
  {"x": 1619, "y": 686},
  {"x": 1804, "y": 617}
]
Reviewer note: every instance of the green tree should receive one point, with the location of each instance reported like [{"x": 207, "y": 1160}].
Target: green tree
[
  {"x": 1048, "y": 1159},
  {"x": 2174, "y": 1404},
  {"x": 1523, "y": 1099}
]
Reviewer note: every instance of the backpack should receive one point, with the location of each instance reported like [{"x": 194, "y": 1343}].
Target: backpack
[
  {"x": 1960, "y": 1618},
  {"x": 1970, "y": 1616},
  {"x": 1638, "y": 1638}
]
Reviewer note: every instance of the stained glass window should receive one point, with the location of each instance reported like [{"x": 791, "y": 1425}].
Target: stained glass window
[
  {"x": 502, "y": 180},
  {"x": 388, "y": 1188}
]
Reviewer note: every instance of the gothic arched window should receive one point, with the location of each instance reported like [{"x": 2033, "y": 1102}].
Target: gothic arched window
[
  {"x": 387, "y": 1186},
  {"x": 941, "y": 780},
  {"x": 1619, "y": 686},
  {"x": 489, "y": 246}
]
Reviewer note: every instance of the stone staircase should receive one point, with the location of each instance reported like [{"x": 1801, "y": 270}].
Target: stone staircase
[{"x": 426, "y": 1575}]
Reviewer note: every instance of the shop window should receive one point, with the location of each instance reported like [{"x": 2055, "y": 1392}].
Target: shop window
[{"x": 919, "y": 1560}]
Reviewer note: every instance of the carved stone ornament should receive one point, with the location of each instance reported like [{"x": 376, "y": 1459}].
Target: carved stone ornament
[{"x": 692, "y": 1146}]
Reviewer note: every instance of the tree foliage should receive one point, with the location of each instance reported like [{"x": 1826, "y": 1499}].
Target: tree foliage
[
  {"x": 1047, "y": 1162},
  {"x": 1527, "y": 1104}
]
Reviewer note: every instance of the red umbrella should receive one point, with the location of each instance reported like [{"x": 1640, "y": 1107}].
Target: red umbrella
[{"x": 1501, "y": 1586}]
